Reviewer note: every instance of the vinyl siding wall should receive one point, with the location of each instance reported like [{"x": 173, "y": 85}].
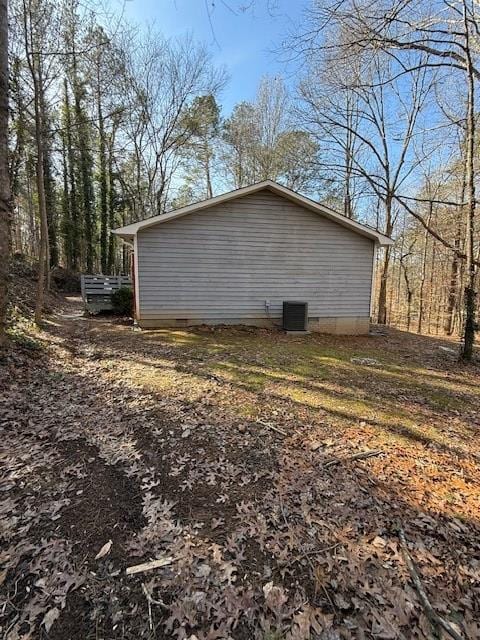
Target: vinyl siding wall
[{"x": 223, "y": 263}]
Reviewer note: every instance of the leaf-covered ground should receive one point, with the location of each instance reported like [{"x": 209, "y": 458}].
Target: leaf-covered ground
[{"x": 158, "y": 444}]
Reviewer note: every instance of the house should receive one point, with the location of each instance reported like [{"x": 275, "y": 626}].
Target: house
[{"x": 234, "y": 259}]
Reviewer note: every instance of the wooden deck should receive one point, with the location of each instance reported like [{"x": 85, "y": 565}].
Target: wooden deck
[{"x": 97, "y": 291}]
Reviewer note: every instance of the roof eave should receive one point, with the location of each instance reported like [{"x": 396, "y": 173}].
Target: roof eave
[
  {"x": 340, "y": 219},
  {"x": 127, "y": 237},
  {"x": 128, "y": 232},
  {"x": 384, "y": 241},
  {"x": 132, "y": 229}
]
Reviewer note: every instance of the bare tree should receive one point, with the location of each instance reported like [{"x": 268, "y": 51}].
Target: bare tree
[
  {"x": 4, "y": 175},
  {"x": 272, "y": 113},
  {"x": 263, "y": 141},
  {"x": 408, "y": 285},
  {"x": 470, "y": 292},
  {"x": 102, "y": 107},
  {"x": 201, "y": 122},
  {"x": 161, "y": 80},
  {"x": 35, "y": 17},
  {"x": 338, "y": 87},
  {"x": 417, "y": 34},
  {"x": 376, "y": 145}
]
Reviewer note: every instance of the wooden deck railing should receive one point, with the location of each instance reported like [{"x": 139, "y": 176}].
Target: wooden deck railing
[{"x": 97, "y": 290}]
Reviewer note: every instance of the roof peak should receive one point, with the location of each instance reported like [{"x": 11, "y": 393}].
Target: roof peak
[{"x": 129, "y": 231}]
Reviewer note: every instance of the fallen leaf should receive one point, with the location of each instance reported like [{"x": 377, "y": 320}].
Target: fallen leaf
[
  {"x": 50, "y": 618},
  {"x": 203, "y": 571},
  {"x": 379, "y": 542},
  {"x": 275, "y": 597},
  {"x": 104, "y": 550}
]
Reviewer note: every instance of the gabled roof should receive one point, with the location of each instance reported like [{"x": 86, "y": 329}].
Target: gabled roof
[{"x": 129, "y": 231}]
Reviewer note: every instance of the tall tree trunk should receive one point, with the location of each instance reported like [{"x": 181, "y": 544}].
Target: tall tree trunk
[
  {"x": 409, "y": 296},
  {"x": 111, "y": 203},
  {"x": 43, "y": 253},
  {"x": 399, "y": 277},
  {"x": 66, "y": 213},
  {"x": 34, "y": 240},
  {"x": 423, "y": 276},
  {"x": 392, "y": 314},
  {"x": 470, "y": 292},
  {"x": 349, "y": 150},
  {"x": 17, "y": 155},
  {"x": 32, "y": 56},
  {"x": 431, "y": 286},
  {"x": 5, "y": 199},
  {"x": 82, "y": 140},
  {"x": 102, "y": 178},
  {"x": 74, "y": 230},
  {"x": 208, "y": 176},
  {"x": 125, "y": 266},
  {"x": 440, "y": 301},
  {"x": 52, "y": 258},
  {"x": 382, "y": 295},
  {"x": 347, "y": 201},
  {"x": 453, "y": 287},
  {"x": 460, "y": 313}
]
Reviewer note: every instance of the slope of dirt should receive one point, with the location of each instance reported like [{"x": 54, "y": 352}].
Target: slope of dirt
[
  {"x": 211, "y": 450},
  {"x": 22, "y": 288}
]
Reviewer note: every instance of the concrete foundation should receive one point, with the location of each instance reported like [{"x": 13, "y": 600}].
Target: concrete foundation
[{"x": 357, "y": 325}]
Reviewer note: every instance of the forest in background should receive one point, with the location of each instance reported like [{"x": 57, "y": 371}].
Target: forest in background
[{"x": 109, "y": 125}]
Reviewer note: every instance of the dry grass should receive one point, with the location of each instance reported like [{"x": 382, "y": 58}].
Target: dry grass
[
  {"x": 178, "y": 418},
  {"x": 418, "y": 402}
]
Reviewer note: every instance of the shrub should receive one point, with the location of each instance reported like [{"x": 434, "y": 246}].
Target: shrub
[{"x": 122, "y": 301}]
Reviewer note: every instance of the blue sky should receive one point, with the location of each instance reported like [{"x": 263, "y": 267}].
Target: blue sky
[{"x": 243, "y": 41}]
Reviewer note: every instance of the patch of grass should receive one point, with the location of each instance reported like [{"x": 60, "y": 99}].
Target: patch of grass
[
  {"x": 171, "y": 336},
  {"x": 305, "y": 371},
  {"x": 431, "y": 383},
  {"x": 391, "y": 419},
  {"x": 463, "y": 517},
  {"x": 273, "y": 635},
  {"x": 56, "y": 375},
  {"x": 253, "y": 381},
  {"x": 398, "y": 399},
  {"x": 231, "y": 372},
  {"x": 164, "y": 379},
  {"x": 23, "y": 333},
  {"x": 155, "y": 380},
  {"x": 444, "y": 400},
  {"x": 404, "y": 432},
  {"x": 354, "y": 409},
  {"x": 247, "y": 410}
]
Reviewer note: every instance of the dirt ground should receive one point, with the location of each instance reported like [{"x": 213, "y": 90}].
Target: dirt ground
[{"x": 228, "y": 454}]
